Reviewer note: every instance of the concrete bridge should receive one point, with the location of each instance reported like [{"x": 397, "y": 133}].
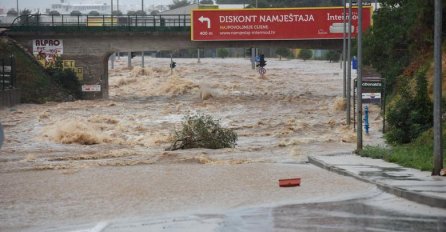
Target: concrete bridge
[{"x": 90, "y": 42}]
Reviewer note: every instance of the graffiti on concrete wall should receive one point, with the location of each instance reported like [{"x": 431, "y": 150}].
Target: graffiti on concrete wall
[{"x": 47, "y": 51}]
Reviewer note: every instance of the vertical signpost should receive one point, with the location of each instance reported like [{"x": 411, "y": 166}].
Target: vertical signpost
[
  {"x": 359, "y": 87},
  {"x": 438, "y": 148},
  {"x": 344, "y": 53},
  {"x": 349, "y": 70}
]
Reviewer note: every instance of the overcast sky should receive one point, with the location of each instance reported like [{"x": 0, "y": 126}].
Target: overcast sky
[{"x": 44, "y": 4}]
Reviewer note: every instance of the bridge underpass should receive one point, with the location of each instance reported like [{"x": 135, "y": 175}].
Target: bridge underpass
[
  {"x": 91, "y": 50},
  {"x": 89, "y": 41}
]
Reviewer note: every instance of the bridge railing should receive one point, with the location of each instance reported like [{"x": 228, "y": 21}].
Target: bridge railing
[{"x": 172, "y": 22}]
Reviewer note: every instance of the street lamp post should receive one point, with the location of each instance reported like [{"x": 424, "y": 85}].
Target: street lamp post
[{"x": 18, "y": 12}]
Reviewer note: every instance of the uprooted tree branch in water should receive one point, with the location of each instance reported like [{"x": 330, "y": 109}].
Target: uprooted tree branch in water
[{"x": 202, "y": 131}]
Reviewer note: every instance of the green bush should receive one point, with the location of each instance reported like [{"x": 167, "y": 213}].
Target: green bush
[
  {"x": 67, "y": 79},
  {"x": 333, "y": 56},
  {"x": 222, "y": 52},
  {"x": 202, "y": 131},
  {"x": 305, "y": 54},
  {"x": 283, "y": 52},
  {"x": 411, "y": 114}
]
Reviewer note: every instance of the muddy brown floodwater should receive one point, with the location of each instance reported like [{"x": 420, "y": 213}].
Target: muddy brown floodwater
[{"x": 87, "y": 161}]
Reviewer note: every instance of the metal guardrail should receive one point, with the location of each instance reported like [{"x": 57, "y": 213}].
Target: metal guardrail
[
  {"x": 174, "y": 22},
  {"x": 7, "y": 73}
]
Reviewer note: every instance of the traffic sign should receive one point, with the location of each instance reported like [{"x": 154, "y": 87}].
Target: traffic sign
[{"x": 274, "y": 24}]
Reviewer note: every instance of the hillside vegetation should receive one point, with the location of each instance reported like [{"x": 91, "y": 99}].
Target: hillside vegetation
[
  {"x": 400, "y": 47},
  {"x": 37, "y": 85}
]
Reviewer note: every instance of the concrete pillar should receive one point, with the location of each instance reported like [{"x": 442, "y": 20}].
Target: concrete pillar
[{"x": 112, "y": 60}]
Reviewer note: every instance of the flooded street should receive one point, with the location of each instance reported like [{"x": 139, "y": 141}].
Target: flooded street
[{"x": 69, "y": 166}]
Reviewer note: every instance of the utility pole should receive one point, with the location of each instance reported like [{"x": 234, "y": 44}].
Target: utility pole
[
  {"x": 142, "y": 5},
  {"x": 111, "y": 7},
  {"x": 359, "y": 87},
  {"x": 344, "y": 71},
  {"x": 349, "y": 70},
  {"x": 18, "y": 12},
  {"x": 438, "y": 147},
  {"x": 117, "y": 5}
]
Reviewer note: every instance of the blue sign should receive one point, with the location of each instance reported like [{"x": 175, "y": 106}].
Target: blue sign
[
  {"x": 354, "y": 63},
  {"x": 257, "y": 58}
]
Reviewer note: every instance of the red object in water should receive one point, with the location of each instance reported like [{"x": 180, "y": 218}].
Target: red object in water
[{"x": 289, "y": 182}]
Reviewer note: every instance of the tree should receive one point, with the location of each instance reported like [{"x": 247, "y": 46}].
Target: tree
[
  {"x": 141, "y": 13},
  {"x": 155, "y": 12},
  {"x": 305, "y": 54},
  {"x": 25, "y": 12},
  {"x": 54, "y": 13},
  {"x": 12, "y": 12},
  {"x": 283, "y": 52},
  {"x": 75, "y": 13},
  {"x": 131, "y": 13},
  {"x": 117, "y": 13},
  {"x": 333, "y": 56},
  {"x": 93, "y": 13},
  {"x": 287, "y": 3},
  {"x": 222, "y": 52},
  {"x": 178, "y": 4}
]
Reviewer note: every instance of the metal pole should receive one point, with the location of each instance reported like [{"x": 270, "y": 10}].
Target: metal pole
[
  {"x": 111, "y": 7},
  {"x": 438, "y": 148},
  {"x": 254, "y": 51},
  {"x": 171, "y": 61},
  {"x": 129, "y": 59},
  {"x": 344, "y": 71},
  {"x": 349, "y": 70},
  {"x": 142, "y": 5},
  {"x": 117, "y": 5},
  {"x": 18, "y": 12},
  {"x": 253, "y": 58},
  {"x": 142, "y": 59},
  {"x": 359, "y": 82},
  {"x": 198, "y": 55}
]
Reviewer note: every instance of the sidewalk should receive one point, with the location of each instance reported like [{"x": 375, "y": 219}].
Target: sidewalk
[{"x": 407, "y": 183}]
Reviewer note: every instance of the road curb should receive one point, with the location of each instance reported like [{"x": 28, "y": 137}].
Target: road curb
[{"x": 403, "y": 193}]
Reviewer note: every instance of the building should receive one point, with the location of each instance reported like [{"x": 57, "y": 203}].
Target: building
[{"x": 65, "y": 7}]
